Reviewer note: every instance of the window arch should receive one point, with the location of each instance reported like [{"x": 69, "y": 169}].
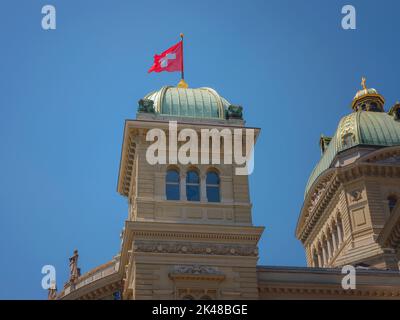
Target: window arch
[
  {"x": 397, "y": 114},
  {"x": 192, "y": 186},
  {"x": 392, "y": 201},
  {"x": 373, "y": 106},
  {"x": 212, "y": 187},
  {"x": 172, "y": 189}
]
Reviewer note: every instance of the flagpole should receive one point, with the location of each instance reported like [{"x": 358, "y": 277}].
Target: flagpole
[
  {"x": 182, "y": 72},
  {"x": 182, "y": 83}
]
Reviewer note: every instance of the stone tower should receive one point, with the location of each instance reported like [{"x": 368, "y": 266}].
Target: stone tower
[
  {"x": 189, "y": 231},
  {"x": 351, "y": 212}
]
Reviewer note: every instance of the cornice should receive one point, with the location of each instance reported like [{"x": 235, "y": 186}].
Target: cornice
[
  {"x": 328, "y": 291},
  {"x": 184, "y": 231}
]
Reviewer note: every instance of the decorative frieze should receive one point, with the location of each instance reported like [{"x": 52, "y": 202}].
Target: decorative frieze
[
  {"x": 196, "y": 272},
  {"x": 195, "y": 269},
  {"x": 195, "y": 248}
]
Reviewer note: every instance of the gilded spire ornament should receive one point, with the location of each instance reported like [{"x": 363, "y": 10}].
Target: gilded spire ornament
[{"x": 364, "y": 83}]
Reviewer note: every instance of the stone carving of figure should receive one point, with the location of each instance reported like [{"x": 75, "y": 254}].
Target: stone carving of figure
[
  {"x": 52, "y": 294},
  {"x": 73, "y": 267}
]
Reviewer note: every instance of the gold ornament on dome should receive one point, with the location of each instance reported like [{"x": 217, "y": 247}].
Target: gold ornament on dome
[{"x": 364, "y": 83}]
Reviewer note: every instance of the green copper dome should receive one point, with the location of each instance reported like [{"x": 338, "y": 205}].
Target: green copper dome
[
  {"x": 188, "y": 102},
  {"x": 358, "y": 128}
]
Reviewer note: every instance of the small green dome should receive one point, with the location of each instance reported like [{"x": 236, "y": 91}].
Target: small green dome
[
  {"x": 364, "y": 92},
  {"x": 188, "y": 102},
  {"x": 358, "y": 128}
]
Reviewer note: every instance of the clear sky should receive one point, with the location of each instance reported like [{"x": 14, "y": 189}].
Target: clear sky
[{"x": 65, "y": 93}]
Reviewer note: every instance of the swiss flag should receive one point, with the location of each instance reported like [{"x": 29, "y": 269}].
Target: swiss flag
[{"x": 170, "y": 60}]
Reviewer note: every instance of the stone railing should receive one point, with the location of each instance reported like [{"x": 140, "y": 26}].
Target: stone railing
[{"x": 93, "y": 275}]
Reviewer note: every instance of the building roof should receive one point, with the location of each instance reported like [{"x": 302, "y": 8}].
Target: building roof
[
  {"x": 188, "y": 102},
  {"x": 358, "y": 128}
]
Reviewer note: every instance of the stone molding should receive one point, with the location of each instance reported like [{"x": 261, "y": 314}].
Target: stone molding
[
  {"x": 161, "y": 230},
  {"x": 367, "y": 292}
]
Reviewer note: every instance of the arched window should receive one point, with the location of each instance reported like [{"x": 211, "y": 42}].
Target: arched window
[
  {"x": 172, "y": 189},
  {"x": 397, "y": 114},
  {"x": 188, "y": 297},
  {"x": 348, "y": 140},
  {"x": 373, "y": 106},
  {"x": 192, "y": 186},
  {"x": 392, "y": 201},
  {"x": 205, "y": 297},
  {"x": 212, "y": 184}
]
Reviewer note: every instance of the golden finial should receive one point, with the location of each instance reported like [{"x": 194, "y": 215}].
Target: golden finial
[
  {"x": 364, "y": 83},
  {"x": 181, "y": 35},
  {"x": 182, "y": 84}
]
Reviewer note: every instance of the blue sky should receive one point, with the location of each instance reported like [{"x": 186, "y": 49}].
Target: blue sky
[{"x": 64, "y": 96}]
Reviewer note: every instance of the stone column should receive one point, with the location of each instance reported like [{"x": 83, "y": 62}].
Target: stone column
[
  {"x": 334, "y": 241},
  {"x": 203, "y": 188},
  {"x": 159, "y": 188},
  {"x": 314, "y": 258},
  {"x": 339, "y": 232},
  {"x": 320, "y": 264},
  {"x": 328, "y": 245},
  {"x": 226, "y": 189},
  {"x": 324, "y": 256},
  {"x": 182, "y": 186}
]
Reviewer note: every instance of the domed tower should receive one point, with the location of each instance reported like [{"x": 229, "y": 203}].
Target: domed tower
[
  {"x": 189, "y": 232},
  {"x": 351, "y": 211}
]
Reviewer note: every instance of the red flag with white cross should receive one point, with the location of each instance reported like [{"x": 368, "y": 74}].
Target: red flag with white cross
[{"x": 170, "y": 60}]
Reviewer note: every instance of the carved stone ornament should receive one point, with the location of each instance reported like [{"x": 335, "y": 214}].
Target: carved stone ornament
[
  {"x": 196, "y": 272},
  {"x": 75, "y": 272},
  {"x": 195, "y": 248},
  {"x": 195, "y": 269},
  {"x": 234, "y": 112},
  {"x": 347, "y": 126},
  {"x": 316, "y": 196},
  {"x": 356, "y": 195},
  {"x": 52, "y": 293},
  {"x": 146, "y": 105}
]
